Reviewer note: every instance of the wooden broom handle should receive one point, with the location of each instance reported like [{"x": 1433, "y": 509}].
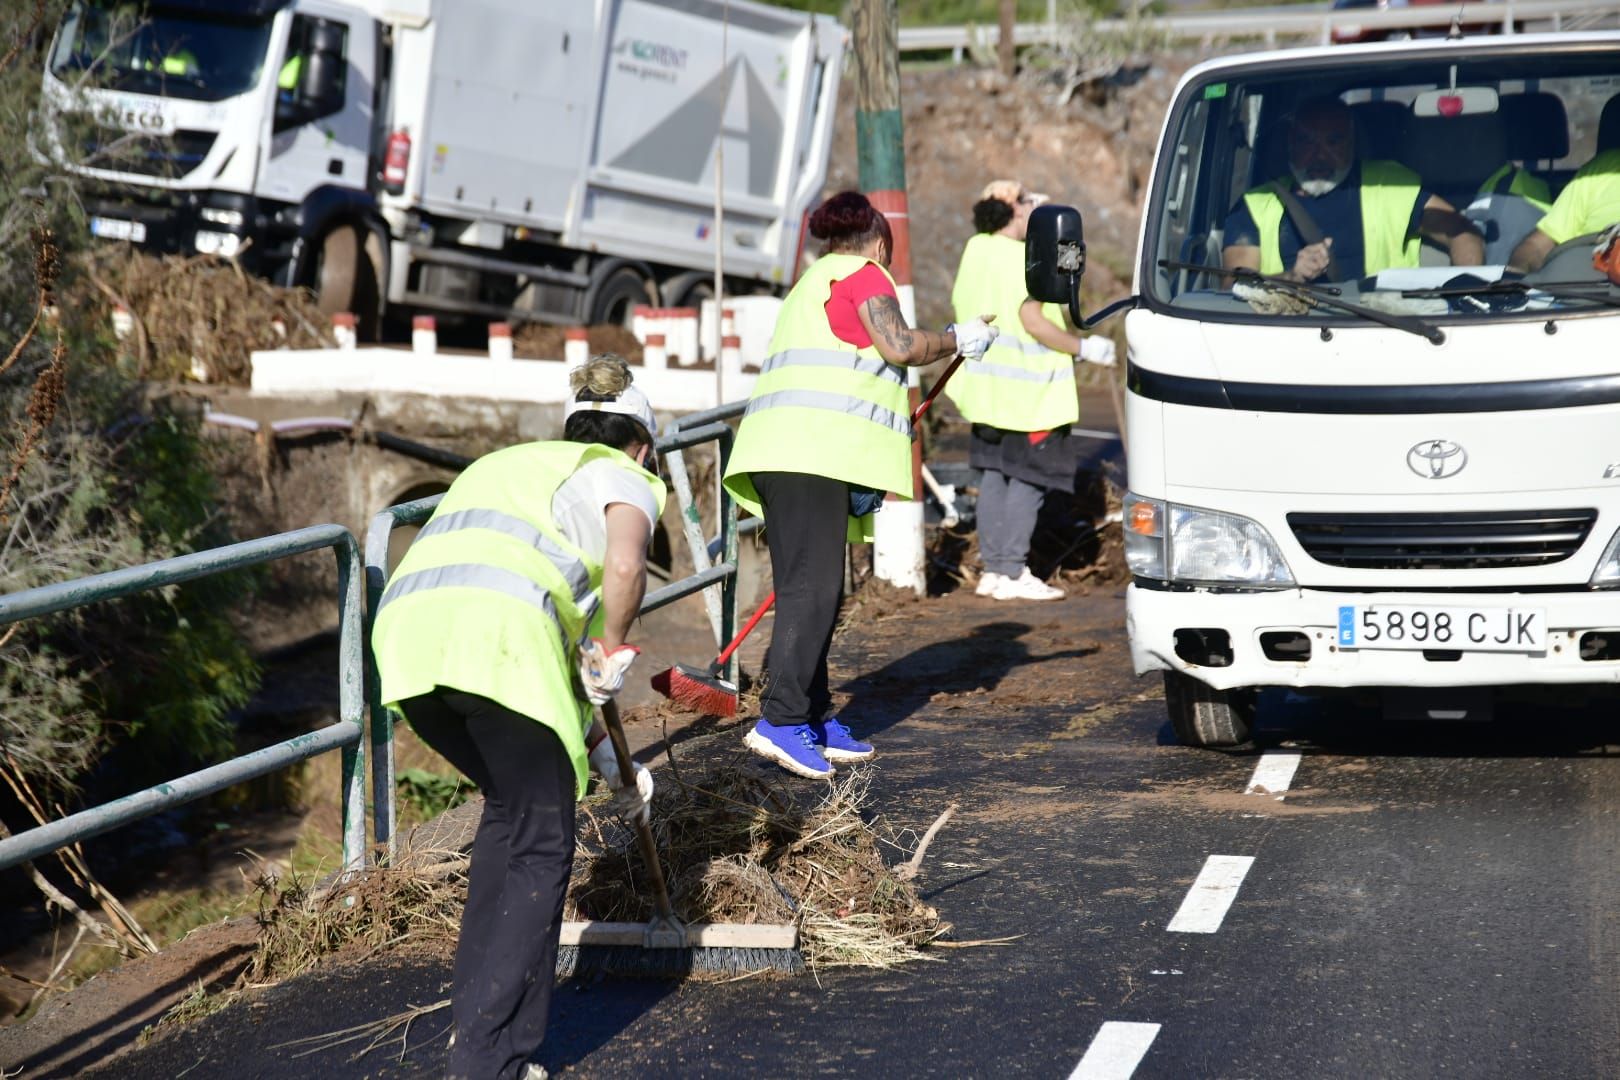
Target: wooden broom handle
[{"x": 644, "y": 836}]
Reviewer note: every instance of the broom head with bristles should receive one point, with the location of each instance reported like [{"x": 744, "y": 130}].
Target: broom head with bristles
[{"x": 698, "y": 690}]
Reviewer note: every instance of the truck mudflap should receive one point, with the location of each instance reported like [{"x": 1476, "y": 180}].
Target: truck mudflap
[{"x": 1317, "y": 638}]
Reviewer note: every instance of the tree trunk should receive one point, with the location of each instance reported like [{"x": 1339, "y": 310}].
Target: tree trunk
[{"x": 1004, "y": 43}]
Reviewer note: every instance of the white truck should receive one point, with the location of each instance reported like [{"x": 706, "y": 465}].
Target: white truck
[
  {"x": 1400, "y": 480},
  {"x": 552, "y": 160}
]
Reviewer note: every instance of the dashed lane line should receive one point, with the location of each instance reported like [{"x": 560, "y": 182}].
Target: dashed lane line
[
  {"x": 1211, "y": 895},
  {"x": 1273, "y": 774},
  {"x": 1116, "y": 1051}
]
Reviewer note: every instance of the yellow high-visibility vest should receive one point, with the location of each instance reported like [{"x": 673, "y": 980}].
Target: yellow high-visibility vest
[
  {"x": 823, "y": 407},
  {"x": 1020, "y": 385},
  {"x": 1512, "y": 180},
  {"x": 1388, "y": 192},
  {"x": 492, "y": 600}
]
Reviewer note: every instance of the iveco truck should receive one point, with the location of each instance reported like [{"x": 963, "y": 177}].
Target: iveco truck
[
  {"x": 552, "y": 160},
  {"x": 1401, "y": 478}
]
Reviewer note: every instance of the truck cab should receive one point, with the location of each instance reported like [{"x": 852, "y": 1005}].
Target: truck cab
[
  {"x": 1400, "y": 470},
  {"x": 240, "y": 128}
]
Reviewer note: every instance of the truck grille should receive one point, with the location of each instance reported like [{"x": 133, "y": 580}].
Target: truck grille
[
  {"x": 107, "y": 147},
  {"x": 1464, "y": 541}
]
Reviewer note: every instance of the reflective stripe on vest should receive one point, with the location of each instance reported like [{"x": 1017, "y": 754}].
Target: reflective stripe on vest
[
  {"x": 572, "y": 568},
  {"x": 866, "y": 365},
  {"x": 1021, "y": 384},
  {"x": 820, "y": 399},
  {"x": 508, "y": 583},
  {"x": 821, "y": 406},
  {"x": 1388, "y": 193}
]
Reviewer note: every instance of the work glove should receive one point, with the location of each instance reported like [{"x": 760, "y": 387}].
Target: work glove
[
  {"x": 630, "y": 801},
  {"x": 1098, "y": 350},
  {"x": 603, "y": 670},
  {"x": 973, "y": 337}
]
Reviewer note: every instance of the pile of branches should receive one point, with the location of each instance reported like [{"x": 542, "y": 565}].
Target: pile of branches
[
  {"x": 537, "y": 341},
  {"x": 198, "y": 317},
  {"x": 740, "y": 845}
]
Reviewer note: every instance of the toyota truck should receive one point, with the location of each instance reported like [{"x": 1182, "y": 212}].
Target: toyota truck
[
  {"x": 1401, "y": 479},
  {"x": 554, "y": 161}
]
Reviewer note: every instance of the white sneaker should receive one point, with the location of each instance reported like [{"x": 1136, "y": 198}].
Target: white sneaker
[
  {"x": 535, "y": 1072},
  {"x": 988, "y": 583},
  {"x": 1025, "y": 587}
]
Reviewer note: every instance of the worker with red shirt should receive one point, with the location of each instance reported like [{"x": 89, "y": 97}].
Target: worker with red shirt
[{"x": 826, "y": 433}]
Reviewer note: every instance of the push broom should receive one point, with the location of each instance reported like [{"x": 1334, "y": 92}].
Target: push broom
[
  {"x": 666, "y": 947},
  {"x": 704, "y": 691}
]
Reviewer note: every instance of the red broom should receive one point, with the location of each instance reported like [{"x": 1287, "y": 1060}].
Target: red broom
[{"x": 704, "y": 691}]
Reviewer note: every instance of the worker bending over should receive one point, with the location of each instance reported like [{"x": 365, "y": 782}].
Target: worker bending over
[{"x": 481, "y": 640}]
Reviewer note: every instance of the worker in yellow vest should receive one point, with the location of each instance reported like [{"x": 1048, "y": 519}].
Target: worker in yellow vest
[
  {"x": 1589, "y": 203},
  {"x": 1021, "y": 398},
  {"x": 503, "y": 624},
  {"x": 1335, "y": 218},
  {"x": 826, "y": 433}
]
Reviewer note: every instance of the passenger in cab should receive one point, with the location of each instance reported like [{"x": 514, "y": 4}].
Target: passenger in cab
[
  {"x": 1336, "y": 218},
  {"x": 1588, "y": 204}
]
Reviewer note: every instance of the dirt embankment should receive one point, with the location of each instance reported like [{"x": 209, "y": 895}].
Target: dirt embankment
[{"x": 965, "y": 127}]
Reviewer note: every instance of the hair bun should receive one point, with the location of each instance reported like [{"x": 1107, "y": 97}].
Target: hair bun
[{"x": 604, "y": 376}]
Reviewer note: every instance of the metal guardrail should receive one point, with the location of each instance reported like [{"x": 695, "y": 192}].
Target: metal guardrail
[
  {"x": 687, "y": 431},
  {"x": 1291, "y": 22},
  {"x": 345, "y": 735}
]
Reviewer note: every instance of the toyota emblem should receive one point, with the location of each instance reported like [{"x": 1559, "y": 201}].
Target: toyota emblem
[{"x": 1436, "y": 459}]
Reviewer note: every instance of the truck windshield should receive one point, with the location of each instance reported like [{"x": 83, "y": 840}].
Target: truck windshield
[
  {"x": 179, "y": 54},
  {"x": 1446, "y": 185}
]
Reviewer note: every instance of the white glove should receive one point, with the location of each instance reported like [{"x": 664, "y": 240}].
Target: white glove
[
  {"x": 603, "y": 671},
  {"x": 630, "y": 801},
  {"x": 1098, "y": 350},
  {"x": 973, "y": 337}
]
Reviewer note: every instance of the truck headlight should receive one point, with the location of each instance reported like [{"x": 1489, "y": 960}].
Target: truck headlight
[
  {"x": 1607, "y": 574},
  {"x": 219, "y": 215},
  {"x": 1207, "y": 547},
  {"x": 1144, "y": 536},
  {"x": 224, "y": 244}
]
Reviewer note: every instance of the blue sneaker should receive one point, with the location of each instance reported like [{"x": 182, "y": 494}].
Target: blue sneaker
[
  {"x": 836, "y": 744},
  {"x": 793, "y": 748}
]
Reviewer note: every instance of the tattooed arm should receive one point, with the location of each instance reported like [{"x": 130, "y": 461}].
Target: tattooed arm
[{"x": 899, "y": 343}]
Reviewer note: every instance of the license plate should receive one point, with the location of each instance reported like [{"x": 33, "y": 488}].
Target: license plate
[
  {"x": 1422, "y": 626},
  {"x": 118, "y": 229}
]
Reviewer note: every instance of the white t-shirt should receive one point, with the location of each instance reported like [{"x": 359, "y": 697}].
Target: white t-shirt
[{"x": 579, "y": 508}]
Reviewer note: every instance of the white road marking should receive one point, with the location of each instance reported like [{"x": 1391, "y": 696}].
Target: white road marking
[
  {"x": 1211, "y": 895},
  {"x": 1116, "y": 1051},
  {"x": 1272, "y": 775}
]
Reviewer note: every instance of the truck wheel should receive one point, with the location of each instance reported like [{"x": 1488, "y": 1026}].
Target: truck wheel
[
  {"x": 346, "y": 278},
  {"x": 688, "y": 290},
  {"x": 1204, "y": 716},
  {"x": 616, "y": 298}
]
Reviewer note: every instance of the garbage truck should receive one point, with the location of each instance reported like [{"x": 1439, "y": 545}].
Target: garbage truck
[
  {"x": 550, "y": 160},
  {"x": 1393, "y": 472}
]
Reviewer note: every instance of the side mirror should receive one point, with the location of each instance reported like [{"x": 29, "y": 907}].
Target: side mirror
[
  {"x": 1054, "y": 255},
  {"x": 320, "y": 84}
]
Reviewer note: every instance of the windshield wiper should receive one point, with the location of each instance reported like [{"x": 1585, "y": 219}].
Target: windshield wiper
[
  {"x": 1326, "y": 295},
  {"x": 1597, "y": 290}
]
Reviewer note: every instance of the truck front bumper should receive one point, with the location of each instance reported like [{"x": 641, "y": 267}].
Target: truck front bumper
[{"x": 1249, "y": 620}]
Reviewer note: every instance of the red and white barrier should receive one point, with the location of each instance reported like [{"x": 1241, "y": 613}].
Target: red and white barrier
[
  {"x": 653, "y": 356},
  {"x": 343, "y": 329},
  {"x": 500, "y": 341},
  {"x": 576, "y": 347},
  {"x": 424, "y": 334}
]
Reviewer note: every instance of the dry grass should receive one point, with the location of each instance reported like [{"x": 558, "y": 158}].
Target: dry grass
[{"x": 741, "y": 843}]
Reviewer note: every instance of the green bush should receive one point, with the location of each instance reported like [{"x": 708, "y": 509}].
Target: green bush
[{"x": 429, "y": 794}]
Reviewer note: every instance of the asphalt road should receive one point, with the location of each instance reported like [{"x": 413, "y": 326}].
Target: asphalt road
[{"x": 1422, "y": 901}]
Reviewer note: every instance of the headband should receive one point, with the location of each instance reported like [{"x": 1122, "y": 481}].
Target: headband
[{"x": 631, "y": 402}]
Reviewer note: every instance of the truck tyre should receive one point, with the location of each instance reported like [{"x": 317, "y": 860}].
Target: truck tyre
[
  {"x": 1204, "y": 716},
  {"x": 689, "y": 290},
  {"x": 346, "y": 278},
  {"x": 616, "y": 298}
]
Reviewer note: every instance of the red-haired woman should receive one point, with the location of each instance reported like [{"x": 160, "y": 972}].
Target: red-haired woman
[{"x": 827, "y": 432}]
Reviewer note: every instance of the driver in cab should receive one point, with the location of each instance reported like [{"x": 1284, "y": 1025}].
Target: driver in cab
[{"x": 1336, "y": 218}]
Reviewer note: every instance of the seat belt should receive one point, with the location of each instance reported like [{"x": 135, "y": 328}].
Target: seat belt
[{"x": 1309, "y": 231}]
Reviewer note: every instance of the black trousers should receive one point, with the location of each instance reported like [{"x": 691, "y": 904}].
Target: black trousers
[
  {"x": 806, "y": 523},
  {"x": 506, "y": 958}
]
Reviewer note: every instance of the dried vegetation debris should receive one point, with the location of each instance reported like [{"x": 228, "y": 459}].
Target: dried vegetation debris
[
  {"x": 741, "y": 844},
  {"x": 197, "y": 317}
]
